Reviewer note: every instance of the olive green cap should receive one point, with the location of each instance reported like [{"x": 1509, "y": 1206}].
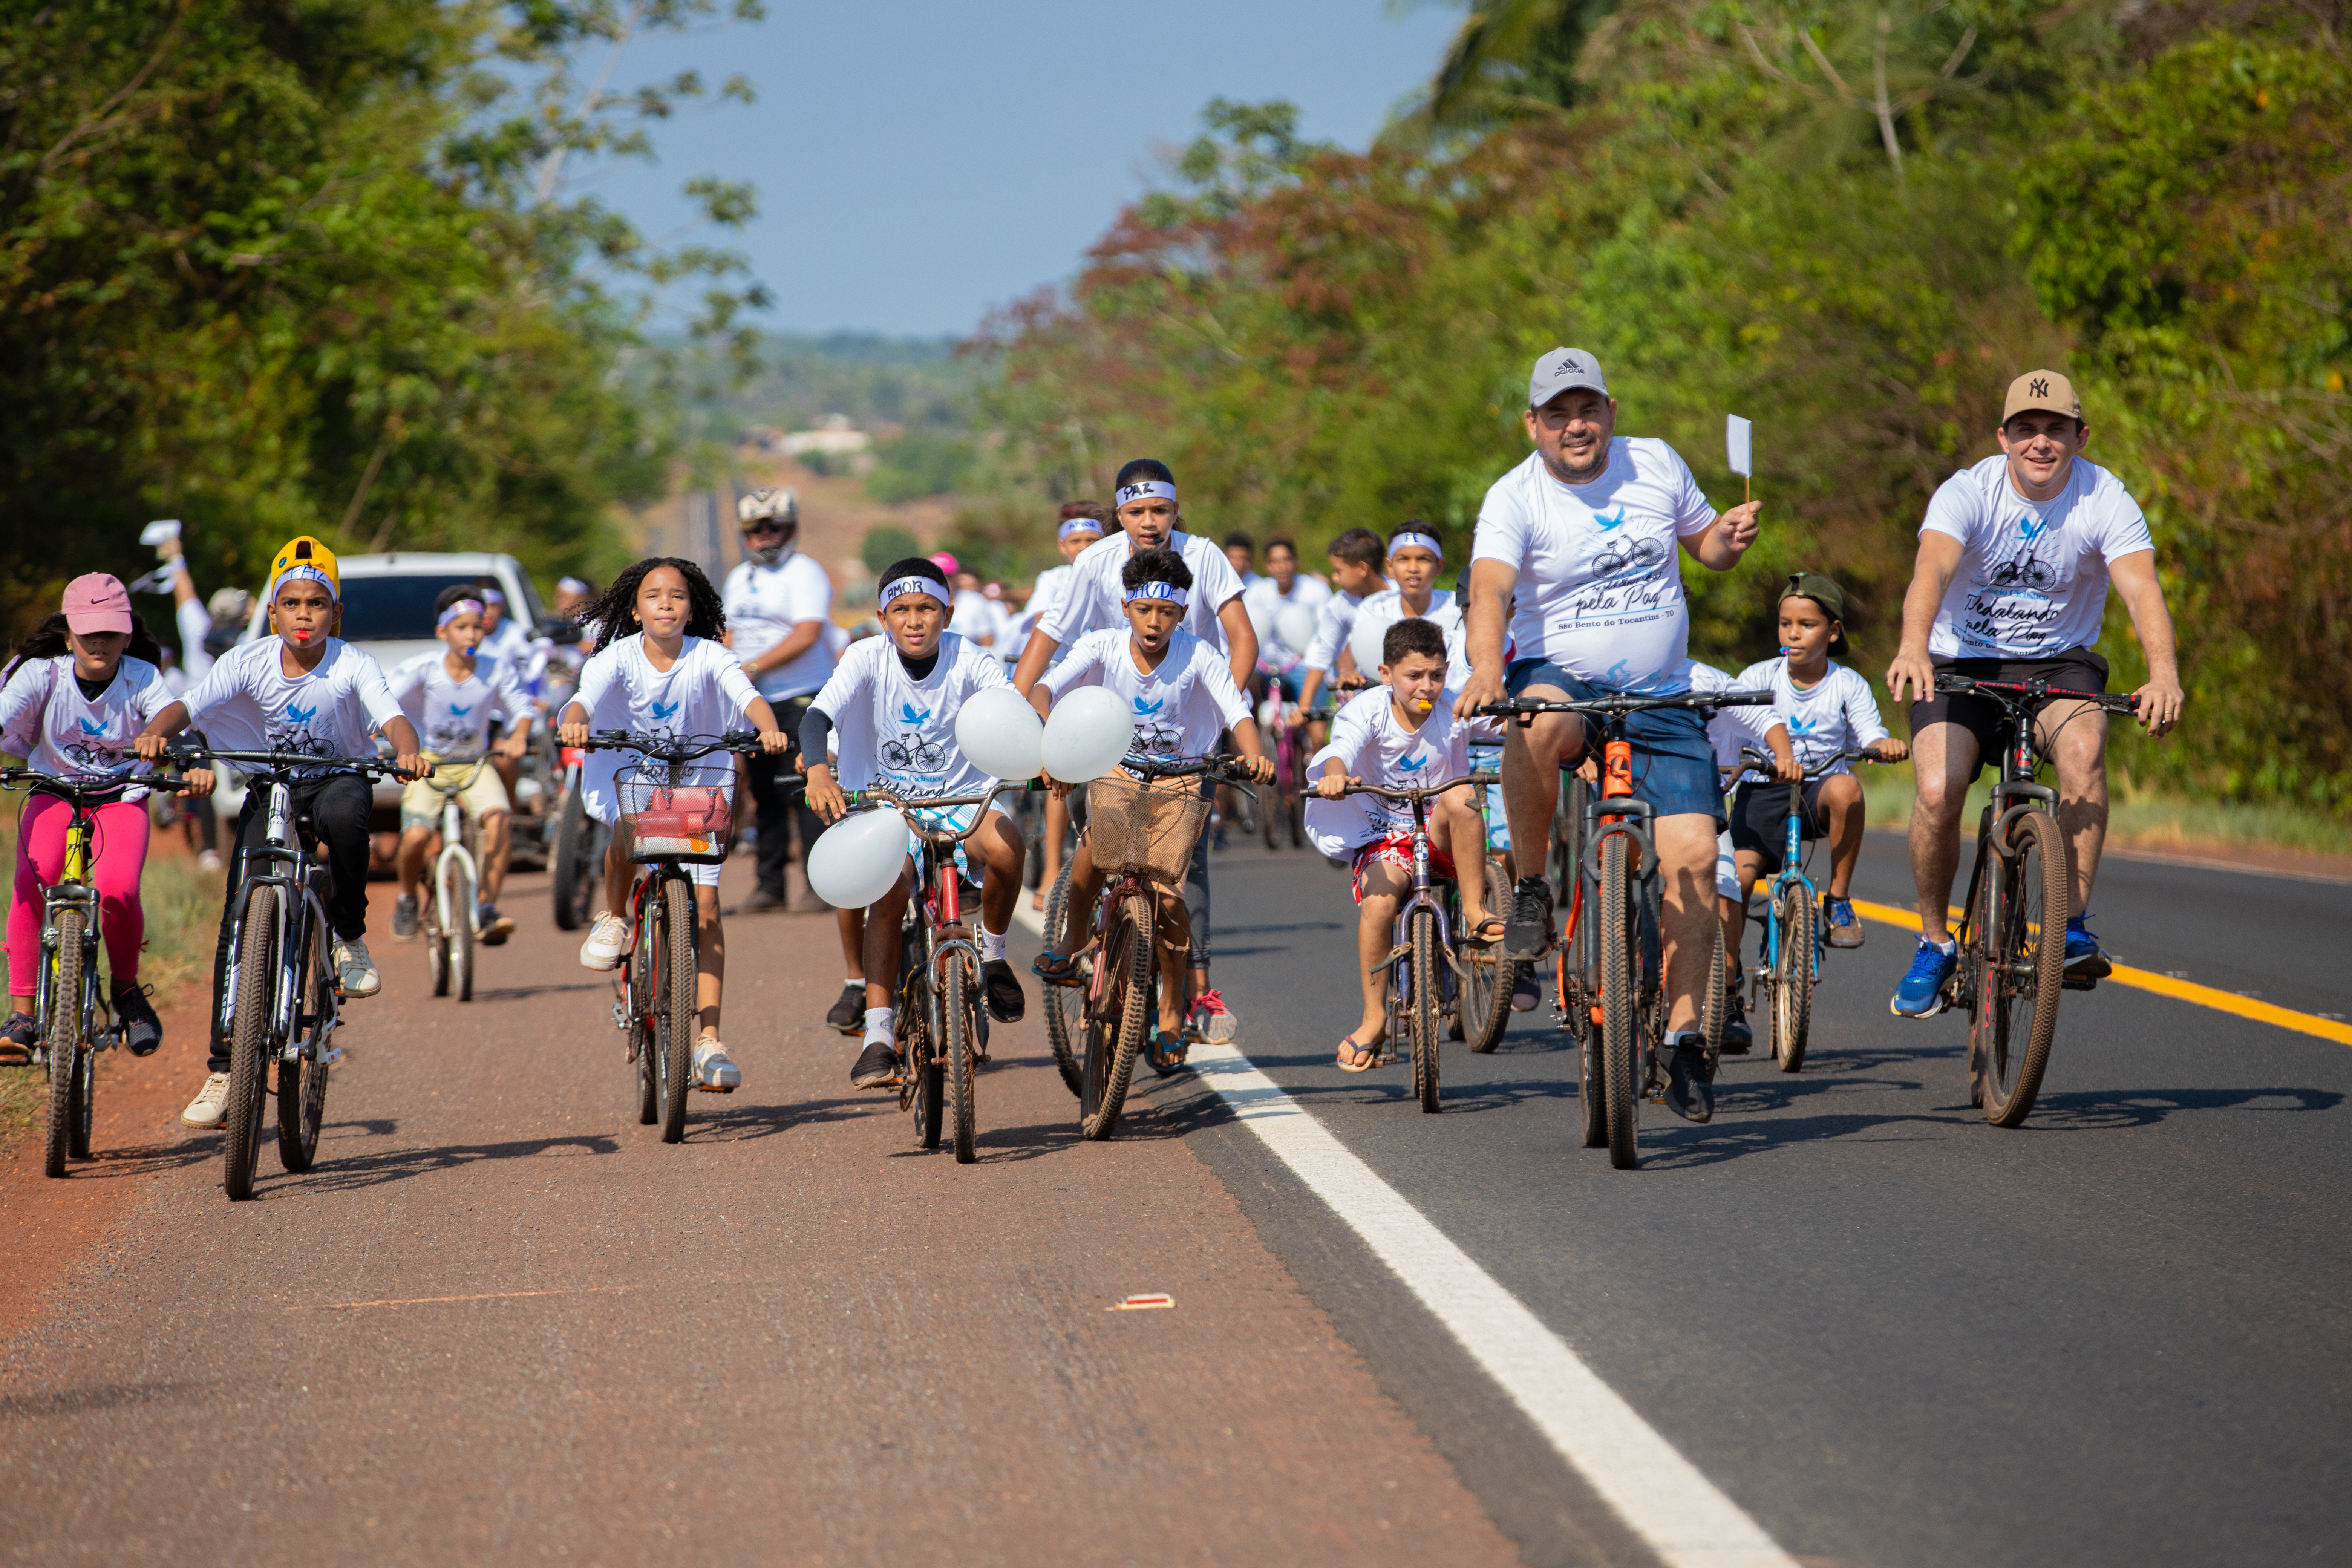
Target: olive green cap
[{"x": 1827, "y": 595}]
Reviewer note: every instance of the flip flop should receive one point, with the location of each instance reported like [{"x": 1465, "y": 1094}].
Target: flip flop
[
  {"x": 1371, "y": 1055},
  {"x": 1057, "y": 969},
  {"x": 1478, "y": 933}
]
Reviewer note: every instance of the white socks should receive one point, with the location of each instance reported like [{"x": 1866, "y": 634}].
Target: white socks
[
  {"x": 992, "y": 946},
  {"x": 880, "y": 1025}
]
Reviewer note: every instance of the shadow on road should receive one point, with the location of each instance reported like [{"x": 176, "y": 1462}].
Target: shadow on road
[
  {"x": 78, "y": 1402},
  {"x": 336, "y": 1172},
  {"x": 524, "y": 992},
  {"x": 730, "y": 1122},
  {"x": 2101, "y": 1110}
]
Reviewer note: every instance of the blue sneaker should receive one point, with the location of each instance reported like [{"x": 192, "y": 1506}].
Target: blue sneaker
[
  {"x": 1844, "y": 926},
  {"x": 2085, "y": 960},
  {"x": 1921, "y": 995}
]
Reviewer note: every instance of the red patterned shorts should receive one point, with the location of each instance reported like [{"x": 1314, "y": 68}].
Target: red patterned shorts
[{"x": 1396, "y": 849}]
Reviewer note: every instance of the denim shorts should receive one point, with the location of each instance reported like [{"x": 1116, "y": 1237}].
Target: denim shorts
[{"x": 1673, "y": 761}]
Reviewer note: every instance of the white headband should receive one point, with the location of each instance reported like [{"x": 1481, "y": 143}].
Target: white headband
[
  {"x": 492, "y": 596},
  {"x": 898, "y": 585},
  {"x": 1168, "y": 590},
  {"x": 1408, "y": 540},
  {"x": 1079, "y": 525},
  {"x": 1144, "y": 488},
  {"x": 458, "y": 608},
  {"x": 303, "y": 571}
]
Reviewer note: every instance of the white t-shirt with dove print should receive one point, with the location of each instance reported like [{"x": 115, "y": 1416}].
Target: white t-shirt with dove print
[
  {"x": 1836, "y": 713},
  {"x": 2032, "y": 581},
  {"x": 247, "y": 701},
  {"x": 453, "y": 716},
  {"x": 704, "y": 692},
  {"x": 896, "y": 732},
  {"x": 45, "y": 720},
  {"x": 1370, "y": 743},
  {"x": 1179, "y": 707},
  {"x": 1599, "y": 590}
]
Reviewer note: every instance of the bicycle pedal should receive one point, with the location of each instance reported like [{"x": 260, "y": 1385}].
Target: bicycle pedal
[
  {"x": 2078, "y": 982},
  {"x": 714, "y": 1089}
]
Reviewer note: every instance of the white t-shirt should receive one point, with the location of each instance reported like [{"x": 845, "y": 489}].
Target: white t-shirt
[
  {"x": 1333, "y": 621},
  {"x": 2032, "y": 581},
  {"x": 454, "y": 717},
  {"x": 247, "y": 701},
  {"x": 1265, "y": 602},
  {"x": 1600, "y": 591},
  {"x": 1179, "y": 707},
  {"x": 512, "y": 642},
  {"x": 977, "y": 616},
  {"x": 897, "y": 732},
  {"x": 703, "y": 693},
  {"x": 45, "y": 720},
  {"x": 1838, "y": 713},
  {"x": 1380, "y": 611},
  {"x": 1732, "y": 728},
  {"x": 1372, "y": 745},
  {"x": 1044, "y": 594},
  {"x": 194, "y": 622},
  {"x": 763, "y": 604},
  {"x": 1096, "y": 601}
]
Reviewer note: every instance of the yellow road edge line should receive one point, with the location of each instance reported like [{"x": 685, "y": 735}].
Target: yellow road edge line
[{"x": 2260, "y": 1012}]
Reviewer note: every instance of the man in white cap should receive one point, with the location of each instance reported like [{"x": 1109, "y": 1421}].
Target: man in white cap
[
  {"x": 1579, "y": 541},
  {"x": 2015, "y": 557}
]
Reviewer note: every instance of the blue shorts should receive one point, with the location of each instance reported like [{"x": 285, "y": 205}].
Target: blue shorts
[
  {"x": 1289, "y": 682},
  {"x": 1673, "y": 761}
]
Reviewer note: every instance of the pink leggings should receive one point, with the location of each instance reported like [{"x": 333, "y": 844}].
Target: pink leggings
[{"x": 119, "y": 848}]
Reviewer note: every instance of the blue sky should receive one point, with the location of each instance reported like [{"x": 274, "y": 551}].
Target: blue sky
[{"x": 920, "y": 162}]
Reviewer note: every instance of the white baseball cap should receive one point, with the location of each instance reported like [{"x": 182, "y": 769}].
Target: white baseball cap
[{"x": 1561, "y": 369}]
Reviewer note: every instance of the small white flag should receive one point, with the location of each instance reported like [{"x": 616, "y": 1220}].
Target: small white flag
[{"x": 1739, "y": 445}]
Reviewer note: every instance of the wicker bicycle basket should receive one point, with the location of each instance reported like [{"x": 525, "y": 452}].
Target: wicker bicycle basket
[
  {"x": 1148, "y": 831},
  {"x": 692, "y": 823}
]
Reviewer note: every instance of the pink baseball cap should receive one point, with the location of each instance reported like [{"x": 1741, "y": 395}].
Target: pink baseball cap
[{"x": 97, "y": 603}]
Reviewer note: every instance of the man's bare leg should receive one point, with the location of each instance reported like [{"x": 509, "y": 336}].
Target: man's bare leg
[
  {"x": 1689, "y": 923},
  {"x": 1944, "y": 759},
  {"x": 2078, "y": 733}
]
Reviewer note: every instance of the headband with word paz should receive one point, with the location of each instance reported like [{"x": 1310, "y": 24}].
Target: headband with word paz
[
  {"x": 458, "y": 608},
  {"x": 1409, "y": 540},
  {"x": 1177, "y": 596},
  {"x": 918, "y": 585},
  {"x": 1079, "y": 525},
  {"x": 1143, "y": 490}
]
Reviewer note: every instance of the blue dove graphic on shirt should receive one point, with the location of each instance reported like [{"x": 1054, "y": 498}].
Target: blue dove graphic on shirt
[
  {"x": 1604, "y": 522},
  {"x": 907, "y": 713},
  {"x": 1412, "y": 764},
  {"x": 458, "y": 712},
  {"x": 2028, "y": 528},
  {"x": 1146, "y": 709},
  {"x": 89, "y": 729},
  {"x": 300, "y": 715}
]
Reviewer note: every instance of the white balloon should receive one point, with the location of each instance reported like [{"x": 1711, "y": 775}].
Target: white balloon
[
  {"x": 1295, "y": 626},
  {"x": 1261, "y": 619},
  {"x": 1364, "y": 642},
  {"x": 1087, "y": 734},
  {"x": 1000, "y": 733},
  {"x": 859, "y": 859}
]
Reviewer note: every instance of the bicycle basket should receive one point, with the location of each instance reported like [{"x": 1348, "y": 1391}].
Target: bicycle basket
[
  {"x": 692, "y": 823},
  {"x": 1145, "y": 831}
]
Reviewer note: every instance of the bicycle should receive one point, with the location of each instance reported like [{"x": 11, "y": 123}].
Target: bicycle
[
  {"x": 576, "y": 864},
  {"x": 1141, "y": 840},
  {"x": 1429, "y": 928},
  {"x": 1792, "y": 942},
  {"x": 1283, "y": 802},
  {"x": 66, "y": 993},
  {"x": 2013, "y": 925},
  {"x": 679, "y": 823},
  {"x": 942, "y": 1028},
  {"x": 282, "y": 1000},
  {"x": 449, "y": 927},
  {"x": 1609, "y": 970}
]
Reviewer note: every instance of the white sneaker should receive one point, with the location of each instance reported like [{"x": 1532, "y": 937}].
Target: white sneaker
[
  {"x": 355, "y": 969},
  {"x": 714, "y": 1070},
  {"x": 209, "y": 860},
  {"x": 607, "y": 944},
  {"x": 210, "y": 1108}
]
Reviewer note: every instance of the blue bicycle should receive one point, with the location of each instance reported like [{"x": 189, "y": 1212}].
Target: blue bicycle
[{"x": 1792, "y": 939}]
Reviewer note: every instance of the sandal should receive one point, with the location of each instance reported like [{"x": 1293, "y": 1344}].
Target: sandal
[
  {"x": 1371, "y": 1055},
  {"x": 1479, "y": 933},
  {"x": 1058, "y": 969}
]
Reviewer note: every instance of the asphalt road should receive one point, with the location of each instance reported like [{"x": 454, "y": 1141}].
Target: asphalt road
[
  {"x": 1891, "y": 1333},
  {"x": 501, "y": 1322}
]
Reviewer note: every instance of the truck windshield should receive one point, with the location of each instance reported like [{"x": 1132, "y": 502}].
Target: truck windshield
[{"x": 393, "y": 609}]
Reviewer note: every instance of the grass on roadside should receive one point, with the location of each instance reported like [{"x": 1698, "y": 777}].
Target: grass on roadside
[
  {"x": 182, "y": 908},
  {"x": 2145, "y": 817}
]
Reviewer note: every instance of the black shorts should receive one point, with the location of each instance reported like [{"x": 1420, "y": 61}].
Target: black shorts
[
  {"x": 1759, "y": 819},
  {"x": 2076, "y": 670}
]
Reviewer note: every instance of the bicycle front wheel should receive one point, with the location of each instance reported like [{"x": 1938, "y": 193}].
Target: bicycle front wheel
[
  {"x": 1130, "y": 998},
  {"x": 961, "y": 1039},
  {"x": 1622, "y": 1070},
  {"x": 1793, "y": 973},
  {"x": 1066, "y": 1005},
  {"x": 572, "y": 869},
  {"x": 302, "y": 1082},
  {"x": 460, "y": 905},
  {"x": 250, "y": 1040},
  {"x": 2023, "y": 918},
  {"x": 1424, "y": 1025},
  {"x": 1716, "y": 1006},
  {"x": 65, "y": 1039},
  {"x": 674, "y": 932}
]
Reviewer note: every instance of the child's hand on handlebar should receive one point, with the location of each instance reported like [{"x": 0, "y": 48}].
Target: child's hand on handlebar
[
  {"x": 573, "y": 735},
  {"x": 775, "y": 743},
  {"x": 201, "y": 782},
  {"x": 823, "y": 795},
  {"x": 1889, "y": 750}
]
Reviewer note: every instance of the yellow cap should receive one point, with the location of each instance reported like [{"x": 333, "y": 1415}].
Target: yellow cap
[{"x": 306, "y": 559}]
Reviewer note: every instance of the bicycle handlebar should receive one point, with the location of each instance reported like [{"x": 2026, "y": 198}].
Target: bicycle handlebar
[
  {"x": 261, "y": 763},
  {"x": 1419, "y": 792},
  {"x": 1619, "y": 704},
  {"x": 1765, "y": 762},
  {"x": 672, "y": 748},
  {"x": 2019, "y": 693},
  {"x": 905, "y": 804},
  {"x": 33, "y": 779}
]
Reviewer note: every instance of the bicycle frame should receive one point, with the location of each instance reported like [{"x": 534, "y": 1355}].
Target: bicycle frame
[
  {"x": 455, "y": 850},
  {"x": 1793, "y": 864},
  {"x": 299, "y": 911},
  {"x": 1424, "y": 897}
]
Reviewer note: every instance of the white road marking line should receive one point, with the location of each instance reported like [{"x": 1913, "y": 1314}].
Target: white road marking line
[{"x": 1660, "y": 1496}]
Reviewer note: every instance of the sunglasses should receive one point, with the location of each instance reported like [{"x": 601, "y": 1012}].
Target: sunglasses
[{"x": 768, "y": 525}]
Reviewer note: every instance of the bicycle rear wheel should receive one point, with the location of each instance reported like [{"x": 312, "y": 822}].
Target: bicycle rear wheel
[
  {"x": 572, "y": 864},
  {"x": 65, "y": 1041},
  {"x": 1129, "y": 997},
  {"x": 960, "y": 1038},
  {"x": 673, "y": 932},
  {"x": 302, "y": 1082},
  {"x": 250, "y": 1039},
  {"x": 2016, "y": 1016},
  {"x": 1621, "y": 1003},
  {"x": 1423, "y": 1027},
  {"x": 1066, "y": 1005},
  {"x": 1793, "y": 973},
  {"x": 85, "y": 1104},
  {"x": 1715, "y": 1008}
]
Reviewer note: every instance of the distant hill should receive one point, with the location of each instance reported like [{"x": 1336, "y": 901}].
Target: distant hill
[{"x": 879, "y": 382}]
